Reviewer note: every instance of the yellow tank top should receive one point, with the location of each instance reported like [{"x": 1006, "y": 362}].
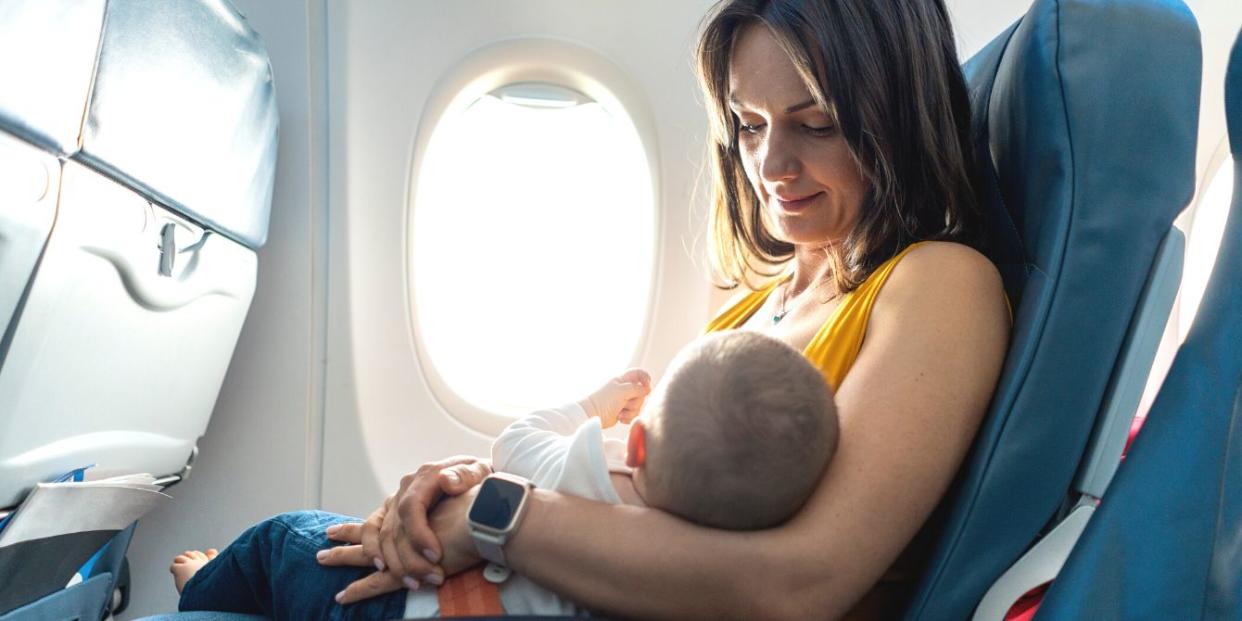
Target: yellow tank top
[{"x": 835, "y": 345}]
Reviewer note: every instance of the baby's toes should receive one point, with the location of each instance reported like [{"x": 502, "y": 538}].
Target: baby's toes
[{"x": 212, "y": 553}]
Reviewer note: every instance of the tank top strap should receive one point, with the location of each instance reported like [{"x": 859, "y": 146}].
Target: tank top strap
[
  {"x": 736, "y": 315},
  {"x": 835, "y": 347}
]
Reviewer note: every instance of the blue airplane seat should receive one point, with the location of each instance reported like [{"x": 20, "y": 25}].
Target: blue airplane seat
[
  {"x": 1165, "y": 543},
  {"x": 1086, "y": 119}
]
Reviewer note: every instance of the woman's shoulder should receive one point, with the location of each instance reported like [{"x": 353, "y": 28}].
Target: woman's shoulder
[
  {"x": 948, "y": 264},
  {"x": 944, "y": 275}
]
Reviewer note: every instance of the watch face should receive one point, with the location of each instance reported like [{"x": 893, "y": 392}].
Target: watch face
[{"x": 496, "y": 503}]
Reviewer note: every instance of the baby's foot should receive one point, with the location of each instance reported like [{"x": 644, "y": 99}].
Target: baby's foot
[{"x": 188, "y": 563}]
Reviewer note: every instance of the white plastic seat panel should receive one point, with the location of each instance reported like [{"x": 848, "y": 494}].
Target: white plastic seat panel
[
  {"x": 183, "y": 109},
  {"x": 29, "y": 182},
  {"x": 111, "y": 363},
  {"x": 47, "y": 59}
]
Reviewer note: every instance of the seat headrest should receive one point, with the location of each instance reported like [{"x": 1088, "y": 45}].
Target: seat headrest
[
  {"x": 179, "y": 100},
  {"x": 183, "y": 109}
]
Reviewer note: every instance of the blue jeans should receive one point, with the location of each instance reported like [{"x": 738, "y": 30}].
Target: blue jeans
[{"x": 271, "y": 570}]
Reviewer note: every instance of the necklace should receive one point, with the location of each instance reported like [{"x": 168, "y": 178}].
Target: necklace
[{"x": 781, "y": 310}]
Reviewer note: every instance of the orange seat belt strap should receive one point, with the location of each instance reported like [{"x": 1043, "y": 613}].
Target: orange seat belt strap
[{"x": 469, "y": 594}]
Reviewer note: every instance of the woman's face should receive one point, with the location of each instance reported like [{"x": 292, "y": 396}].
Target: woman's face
[{"x": 796, "y": 160}]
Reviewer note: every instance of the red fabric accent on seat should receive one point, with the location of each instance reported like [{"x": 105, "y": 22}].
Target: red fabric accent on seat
[
  {"x": 1024, "y": 609},
  {"x": 1134, "y": 431}
]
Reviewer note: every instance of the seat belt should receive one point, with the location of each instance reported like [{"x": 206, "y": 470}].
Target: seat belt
[{"x": 469, "y": 594}]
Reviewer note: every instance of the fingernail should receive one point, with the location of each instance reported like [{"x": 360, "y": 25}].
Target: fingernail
[
  {"x": 431, "y": 555},
  {"x": 379, "y": 563},
  {"x": 410, "y": 583},
  {"x": 320, "y": 555},
  {"x": 451, "y": 476},
  {"x": 434, "y": 578},
  {"x": 339, "y": 596},
  {"x": 332, "y": 529}
]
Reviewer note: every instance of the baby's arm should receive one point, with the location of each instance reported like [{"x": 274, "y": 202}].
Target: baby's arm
[
  {"x": 620, "y": 399},
  {"x": 538, "y": 440}
]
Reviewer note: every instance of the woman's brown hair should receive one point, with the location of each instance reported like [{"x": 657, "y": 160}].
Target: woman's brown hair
[{"x": 888, "y": 71}]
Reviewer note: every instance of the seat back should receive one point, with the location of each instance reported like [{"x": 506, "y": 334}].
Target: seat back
[
  {"x": 143, "y": 138},
  {"x": 137, "y": 160},
  {"x": 1164, "y": 544},
  {"x": 1086, "y": 118}
]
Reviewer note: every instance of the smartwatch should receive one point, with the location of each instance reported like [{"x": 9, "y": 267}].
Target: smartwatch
[{"x": 496, "y": 513}]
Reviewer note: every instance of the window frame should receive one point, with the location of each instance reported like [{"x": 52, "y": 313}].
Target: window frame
[{"x": 502, "y": 63}]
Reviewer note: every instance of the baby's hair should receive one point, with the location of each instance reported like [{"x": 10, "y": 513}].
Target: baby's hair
[{"x": 745, "y": 428}]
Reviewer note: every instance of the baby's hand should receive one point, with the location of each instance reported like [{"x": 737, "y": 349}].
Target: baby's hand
[{"x": 620, "y": 399}]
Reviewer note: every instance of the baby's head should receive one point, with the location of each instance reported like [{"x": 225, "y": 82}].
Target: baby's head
[{"x": 737, "y": 433}]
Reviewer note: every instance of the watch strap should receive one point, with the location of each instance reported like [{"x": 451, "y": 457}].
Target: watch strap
[{"x": 491, "y": 547}]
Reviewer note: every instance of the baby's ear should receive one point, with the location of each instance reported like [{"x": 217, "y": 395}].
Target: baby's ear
[{"x": 636, "y": 448}]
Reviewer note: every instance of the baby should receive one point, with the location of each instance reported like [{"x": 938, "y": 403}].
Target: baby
[{"x": 736, "y": 436}]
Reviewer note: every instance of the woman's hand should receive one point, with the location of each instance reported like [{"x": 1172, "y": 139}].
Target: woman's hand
[
  {"x": 374, "y": 584},
  {"x": 447, "y": 521},
  {"x": 398, "y": 537}
]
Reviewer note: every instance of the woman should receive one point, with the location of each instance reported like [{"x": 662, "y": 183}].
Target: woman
[{"x": 843, "y": 176}]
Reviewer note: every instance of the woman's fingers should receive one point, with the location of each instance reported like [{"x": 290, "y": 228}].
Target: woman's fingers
[
  {"x": 350, "y": 532},
  {"x": 413, "y": 563},
  {"x": 400, "y": 538},
  {"x": 458, "y": 460},
  {"x": 449, "y": 524},
  {"x": 344, "y": 556},
  {"x": 418, "y": 534},
  {"x": 374, "y": 584},
  {"x": 457, "y": 479},
  {"x": 371, "y": 530},
  {"x": 390, "y": 535}
]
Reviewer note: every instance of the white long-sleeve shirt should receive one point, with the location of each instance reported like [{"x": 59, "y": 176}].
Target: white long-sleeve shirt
[{"x": 559, "y": 449}]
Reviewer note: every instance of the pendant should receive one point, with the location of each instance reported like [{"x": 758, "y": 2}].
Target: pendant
[{"x": 776, "y": 318}]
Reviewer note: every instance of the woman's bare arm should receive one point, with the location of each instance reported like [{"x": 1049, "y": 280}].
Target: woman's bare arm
[{"x": 909, "y": 410}]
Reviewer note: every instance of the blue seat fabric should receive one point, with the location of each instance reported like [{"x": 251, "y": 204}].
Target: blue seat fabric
[
  {"x": 1087, "y": 115},
  {"x": 1165, "y": 543}
]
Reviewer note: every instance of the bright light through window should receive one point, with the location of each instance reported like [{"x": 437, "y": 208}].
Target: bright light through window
[
  {"x": 533, "y": 241},
  {"x": 1206, "y": 231}
]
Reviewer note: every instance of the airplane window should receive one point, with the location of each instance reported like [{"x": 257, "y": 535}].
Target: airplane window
[
  {"x": 532, "y": 248},
  {"x": 1206, "y": 231}
]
